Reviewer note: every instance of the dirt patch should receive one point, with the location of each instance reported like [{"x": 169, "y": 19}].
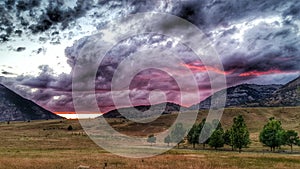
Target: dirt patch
[{"x": 194, "y": 155}]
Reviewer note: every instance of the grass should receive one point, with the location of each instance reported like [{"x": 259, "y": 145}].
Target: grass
[{"x": 48, "y": 144}]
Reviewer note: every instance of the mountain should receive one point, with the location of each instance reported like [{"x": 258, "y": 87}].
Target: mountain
[
  {"x": 244, "y": 95},
  {"x": 252, "y": 95},
  {"x": 13, "y": 107},
  {"x": 147, "y": 110},
  {"x": 287, "y": 95}
]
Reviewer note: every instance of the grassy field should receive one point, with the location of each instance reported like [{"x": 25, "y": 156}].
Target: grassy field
[{"x": 48, "y": 144}]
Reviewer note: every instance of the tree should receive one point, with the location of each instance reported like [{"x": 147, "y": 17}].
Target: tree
[
  {"x": 205, "y": 130},
  {"x": 217, "y": 125},
  {"x": 167, "y": 140},
  {"x": 228, "y": 138},
  {"x": 178, "y": 133},
  {"x": 70, "y": 128},
  {"x": 291, "y": 138},
  {"x": 193, "y": 135},
  {"x": 239, "y": 133},
  {"x": 151, "y": 139},
  {"x": 272, "y": 134},
  {"x": 216, "y": 139}
]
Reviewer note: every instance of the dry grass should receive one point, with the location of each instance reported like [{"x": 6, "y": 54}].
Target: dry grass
[{"x": 48, "y": 144}]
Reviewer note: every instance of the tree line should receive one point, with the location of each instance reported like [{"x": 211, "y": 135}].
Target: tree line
[{"x": 237, "y": 136}]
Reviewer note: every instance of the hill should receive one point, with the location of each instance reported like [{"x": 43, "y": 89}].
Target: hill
[
  {"x": 255, "y": 117},
  {"x": 287, "y": 95},
  {"x": 143, "y": 110},
  {"x": 253, "y": 95},
  {"x": 13, "y": 107},
  {"x": 244, "y": 95}
]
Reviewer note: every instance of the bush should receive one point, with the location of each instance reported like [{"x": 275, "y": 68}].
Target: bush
[{"x": 70, "y": 128}]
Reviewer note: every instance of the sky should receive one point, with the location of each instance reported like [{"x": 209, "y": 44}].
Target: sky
[{"x": 257, "y": 42}]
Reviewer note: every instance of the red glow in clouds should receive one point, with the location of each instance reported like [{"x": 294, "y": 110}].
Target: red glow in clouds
[
  {"x": 199, "y": 67},
  {"x": 259, "y": 73}
]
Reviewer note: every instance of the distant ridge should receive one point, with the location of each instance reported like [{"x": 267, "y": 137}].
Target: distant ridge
[
  {"x": 287, "y": 95},
  {"x": 144, "y": 110},
  {"x": 243, "y": 95},
  {"x": 253, "y": 95},
  {"x": 13, "y": 107}
]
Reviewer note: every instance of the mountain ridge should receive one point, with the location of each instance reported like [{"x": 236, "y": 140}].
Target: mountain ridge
[
  {"x": 242, "y": 95},
  {"x": 14, "y": 107},
  {"x": 287, "y": 95},
  {"x": 147, "y": 110}
]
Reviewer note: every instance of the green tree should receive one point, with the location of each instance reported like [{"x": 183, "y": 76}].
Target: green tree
[
  {"x": 228, "y": 138},
  {"x": 177, "y": 134},
  {"x": 205, "y": 130},
  {"x": 151, "y": 139},
  {"x": 216, "y": 139},
  {"x": 291, "y": 138},
  {"x": 193, "y": 135},
  {"x": 167, "y": 140},
  {"x": 272, "y": 134},
  {"x": 239, "y": 133},
  {"x": 217, "y": 125}
]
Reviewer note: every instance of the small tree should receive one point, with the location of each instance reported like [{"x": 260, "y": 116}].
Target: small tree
[
  {"x": 291, "y": 138},
  {"x": 70, "y": 128},
  {"x": 205, "y": 130},
  {"x": 167, "y": 140},
  {"x": 151, "y": 139},
  {"x": 216, "y": 140},
  {"x": 193, "y": 135},
  {"x": 177, "y": 134},
  {"x": 217, "y": 125},
  {"x": 272, "y": 134},
  {"x": 239, "y": 133},
  {"x": 227, "y": 138}
]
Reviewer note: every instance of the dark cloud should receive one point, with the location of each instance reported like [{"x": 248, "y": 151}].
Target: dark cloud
[
  {"x": 20, "y": 49},
  {"x": 212, "y": 13},
  {"x": 253, "y": 38},
  {"x": 7, "y": 73},
  {"x": 56, "y": 12},
  {"x": 47, "y": 89},
  {"x": 41, "y": 16},
  {"x": 265, "y": 48},
  {"x": 24, "y": 5}
]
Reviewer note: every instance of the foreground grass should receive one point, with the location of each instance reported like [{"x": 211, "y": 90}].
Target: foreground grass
[
  {"x": 69, "y": 159},
  {"x": 48, "y": 144}
]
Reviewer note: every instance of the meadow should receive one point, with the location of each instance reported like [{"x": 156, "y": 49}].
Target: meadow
[{"x": 49, "y": 144}]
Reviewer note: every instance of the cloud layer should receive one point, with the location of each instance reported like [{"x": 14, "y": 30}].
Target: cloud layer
[{"x": 257, "y": 41}]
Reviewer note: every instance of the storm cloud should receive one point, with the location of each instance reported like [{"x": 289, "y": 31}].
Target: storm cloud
[{"x": 257, "y": 41}]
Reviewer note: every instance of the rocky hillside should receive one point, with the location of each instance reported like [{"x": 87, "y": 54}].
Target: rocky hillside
[
  {"x": 13, "y": 107},
  {"x": 252, "y": 95},
  {"x": 287, "y": 95},
  {"x": 244, "y": 95}
]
